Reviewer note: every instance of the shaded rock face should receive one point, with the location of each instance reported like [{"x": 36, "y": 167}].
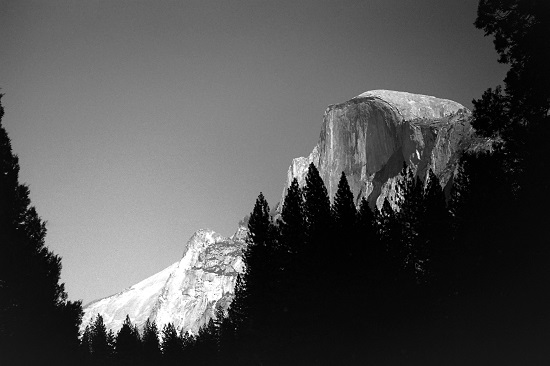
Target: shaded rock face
[
  {"x": 186, "y": 293},
  {"x": 370, "y": 137}
]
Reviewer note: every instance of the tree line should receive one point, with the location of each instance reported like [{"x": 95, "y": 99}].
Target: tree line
[{"x": 151, "y": 346}]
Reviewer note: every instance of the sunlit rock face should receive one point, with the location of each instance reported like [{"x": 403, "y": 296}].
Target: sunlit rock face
[
  {"x": 186, "y": 293},
  {"x": 370, "y": 137}
]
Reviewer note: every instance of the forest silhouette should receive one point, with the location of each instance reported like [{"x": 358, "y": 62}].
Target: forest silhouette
[{"x": 438, "y": 279}]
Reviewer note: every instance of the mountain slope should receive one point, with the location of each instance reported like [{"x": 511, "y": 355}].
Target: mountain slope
[{"x": 185, "y": 293}]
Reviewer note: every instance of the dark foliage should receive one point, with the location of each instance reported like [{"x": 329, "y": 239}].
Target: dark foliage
[
  {"x": 150, "y": 344},
  {"x": 422, "y": 280},
  {"x": 172, "y": 345},
  {"x": 101, "y": 343},
  {"x": 37, "y": 323},
  {"x": 128, "y": 344}
]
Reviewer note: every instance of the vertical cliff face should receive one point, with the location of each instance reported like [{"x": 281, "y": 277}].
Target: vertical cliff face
[
  {"x": 186, "y": 293},
  {"x": 370, "y": 137}
]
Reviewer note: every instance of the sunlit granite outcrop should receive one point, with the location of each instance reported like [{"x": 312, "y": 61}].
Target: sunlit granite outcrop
[
  {"x": 370, "y": 137},
  {"x": 186, "y": 293}
]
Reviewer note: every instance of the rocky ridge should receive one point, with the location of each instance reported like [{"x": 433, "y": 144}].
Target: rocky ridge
[
  {"x": 370, "y": 137},
  {"x": 186, "y": 293}
]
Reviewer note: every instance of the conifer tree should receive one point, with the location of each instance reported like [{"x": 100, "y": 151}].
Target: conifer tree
[
  {"x": 259, "y": 223},
  {"x": 262, "y": 278},
  {"x": 150, "y": 343},
  {"x": 102, "y": 342},
  {"x": 291, "y": 224},
  {"x": 36, "y": 320},
  {"x": 128, "y": 344},
  {"x": 208, "y": 344},
  {"x": 172, "y": 345},
  {"x": 350, "y": 251},
  {"x": 316, "y": 206},
  {"x": 191, "y": 353},
  {"x": 86, "y": 346},
  {"x": 343, "y": 207},
  {"x": 291, "y": 245}
]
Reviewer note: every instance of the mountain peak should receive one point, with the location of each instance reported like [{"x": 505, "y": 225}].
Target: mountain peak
[
  {"x": 412, "y": 106},
  {"x": 371, "y": 136},
  {"x": 201, "y": 239},
  {"x": 185, "y": 294}
]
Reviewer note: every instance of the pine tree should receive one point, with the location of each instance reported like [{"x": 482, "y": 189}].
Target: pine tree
[
  {"x": 191, "y": 353},
  {"x": 343, "y": 207},
  {"x": 172, "y": 345},
  {"x": 259, "y": 223},
  {"x": 291, "y": 224},
  {"x": 316, "y": 207},
  {"x": 150, "y": 343},
  {"x": 350, "y": 250},
  {"x": 102, "y": 343},
  {"x": 86, "y": 346},
  {"x": 31, "y": 295},
  {"x": 207, "y": 344},
  {"x": 128, "y": 344},
  {"x": 262, "y": 279}
]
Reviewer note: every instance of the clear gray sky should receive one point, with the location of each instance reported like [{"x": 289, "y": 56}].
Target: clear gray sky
[{"x": 139, "y": 122}]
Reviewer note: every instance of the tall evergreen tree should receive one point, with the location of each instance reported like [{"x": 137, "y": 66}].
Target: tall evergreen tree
[
  {"x": 128, "y": 344},
  {"x": 31, "y": 294},
  {"x": 259, "y": 223},
  {"x": 208, "y": 344},
  {"x": 350, "y": 253},
  {"x": 102, "y": 342},
  {"x": 172, "y": 345},
  {"x": 150, "y": 343},
  {"x": 316, "y": 207},
  {"x": 291, "y": 224},
  {"x": 343, "y": 207}
]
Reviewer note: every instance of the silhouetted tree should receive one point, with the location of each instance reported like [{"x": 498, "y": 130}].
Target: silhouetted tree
[
  {"x": 150, "y": 343},
  {"x": 128, "y": 344},
  {"x": 208, "y": 344},
  {"x": 291, "y": 223},
  {"x": 86, "y": 346},
  {"x": 350, "y": 254},
  {"x": 343, "y": 207},
  {"x": 172, "y": 345},
  {"x": 316, "y": 208},
  {"x": 37, "y": 323},
  {"x": 102, "y": 342}
]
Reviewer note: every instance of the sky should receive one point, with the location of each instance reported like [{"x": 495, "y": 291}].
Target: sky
[{"x": 139, "y": 122}]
